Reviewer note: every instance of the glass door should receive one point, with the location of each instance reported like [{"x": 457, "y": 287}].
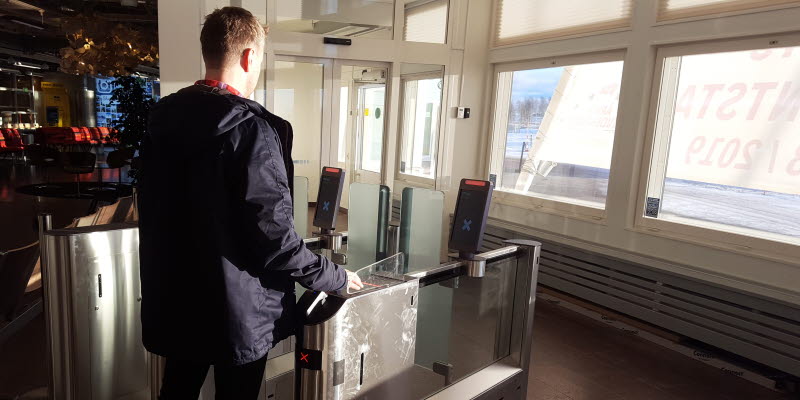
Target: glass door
[
  {"x": 369, "y": 133},
  {"x": 299, "y": 96},
  {"x": 337, "y": 110}
]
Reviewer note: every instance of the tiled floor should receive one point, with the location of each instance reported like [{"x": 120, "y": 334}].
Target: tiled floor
[
  {"x": 574, "y": 357},
  {"x": 577, "y": 358}
]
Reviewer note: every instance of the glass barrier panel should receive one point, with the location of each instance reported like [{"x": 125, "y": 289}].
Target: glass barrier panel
[
  {"x": 367, "y": 221},
  {"x": 301, "y": 206},
  {"x": 421, "y": 227},
  {"x": 381, "y": 274}
]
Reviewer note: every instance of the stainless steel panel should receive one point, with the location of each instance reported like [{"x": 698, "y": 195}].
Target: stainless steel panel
[
  {"x": 93, "y": 308},
  {"x": 372, "y": 333}
]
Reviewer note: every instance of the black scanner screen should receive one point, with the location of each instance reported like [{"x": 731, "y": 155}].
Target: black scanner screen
[
  {"x": 468, "y": 218},
  {"x": 326, "y": 208}
]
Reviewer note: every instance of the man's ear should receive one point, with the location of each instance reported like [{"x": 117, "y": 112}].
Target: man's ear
[{"x": 248, "y": 59}]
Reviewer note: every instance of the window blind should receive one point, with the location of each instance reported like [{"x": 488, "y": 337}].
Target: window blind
[
  {"x": 674, "y": 9},
  {"x": 521, "y": 21},
  {"x": 426, "y": 21}
]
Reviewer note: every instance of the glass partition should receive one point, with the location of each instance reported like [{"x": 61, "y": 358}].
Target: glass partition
[
  {"x": 477, "y": 322},
  {"x": 420, "y": 241},
  {"x": 472, "y": 332},
  {"x": 344, "y": 18},
  {"x": 367, "y": 224},
  {"x": 421, "y": 227}
]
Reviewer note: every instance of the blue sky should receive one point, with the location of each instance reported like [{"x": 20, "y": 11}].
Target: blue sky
[{"x": 535, "y": 82}]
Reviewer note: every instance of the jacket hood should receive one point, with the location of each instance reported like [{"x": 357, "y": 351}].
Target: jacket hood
[{"x": 199, "y": 112}]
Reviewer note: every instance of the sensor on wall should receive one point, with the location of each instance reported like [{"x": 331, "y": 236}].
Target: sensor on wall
[
  {"x": 463, "y": 112},
  {"x": 339, "y": 41}
]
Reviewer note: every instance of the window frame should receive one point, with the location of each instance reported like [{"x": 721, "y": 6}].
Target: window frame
[
  {"x": 714, "y": 15},
  {"x": 653, "y": 164},
  {"x": 497, "y": 121},
  {"x": 409, "y": 179}
]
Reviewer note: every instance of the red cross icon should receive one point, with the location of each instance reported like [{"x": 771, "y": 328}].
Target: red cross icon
[{"x": 304, "y": 357}]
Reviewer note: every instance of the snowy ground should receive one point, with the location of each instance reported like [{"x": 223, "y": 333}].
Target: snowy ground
[{"x": 763, "y": 211}]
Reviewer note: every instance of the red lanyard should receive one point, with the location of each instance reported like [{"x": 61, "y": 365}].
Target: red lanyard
[{"x": 219, "y": 84}]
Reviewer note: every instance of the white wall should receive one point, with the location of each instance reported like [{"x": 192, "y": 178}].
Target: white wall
[{"x": 180, "y": 59}]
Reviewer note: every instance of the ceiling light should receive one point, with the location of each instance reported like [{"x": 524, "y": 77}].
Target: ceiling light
[
  {"x": 27, "y": 65},
  {"x": 29, "y": 24}
]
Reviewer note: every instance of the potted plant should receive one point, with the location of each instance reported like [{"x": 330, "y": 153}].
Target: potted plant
[{"x": 133, "y": 104}]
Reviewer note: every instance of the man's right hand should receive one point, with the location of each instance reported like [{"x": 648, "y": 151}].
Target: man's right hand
[{"x": 353, "y": 281}]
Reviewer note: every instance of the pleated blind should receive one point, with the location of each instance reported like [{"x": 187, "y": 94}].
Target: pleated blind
[
  {"x": 675, "y": 9},
  {"x": 521, "y": 21},
  {"x": 426, "y": 22}
]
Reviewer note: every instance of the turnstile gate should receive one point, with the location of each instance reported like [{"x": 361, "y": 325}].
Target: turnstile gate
[
  {"x": 362, "y": 345},
  {"x": 92, "y": 306}
]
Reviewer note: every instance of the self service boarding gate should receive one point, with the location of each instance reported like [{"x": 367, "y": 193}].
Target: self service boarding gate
[
  {"x": 365, "y": 344},
  {"x": 457, "y": 330}
]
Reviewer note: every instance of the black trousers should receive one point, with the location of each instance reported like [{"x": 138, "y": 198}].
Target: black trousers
[{"x": 184, "y": 379}]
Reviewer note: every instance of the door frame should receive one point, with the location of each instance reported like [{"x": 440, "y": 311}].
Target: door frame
[
  {"x": 335, "y": 101},
  {"x": 332, "y": 70}
]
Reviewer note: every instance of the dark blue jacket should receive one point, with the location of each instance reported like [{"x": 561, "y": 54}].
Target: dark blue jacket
[{"x": 218, "y": 251}]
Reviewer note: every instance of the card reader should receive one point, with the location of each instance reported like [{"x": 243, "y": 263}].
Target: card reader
[
  {"x": 331, "y": 184},
  {"x": 469, "y": 219}
]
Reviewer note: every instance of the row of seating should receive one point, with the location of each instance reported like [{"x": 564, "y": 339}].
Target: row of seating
[
  {"x": 74, "y": 135},
  {"x": 11, "y": 140}
]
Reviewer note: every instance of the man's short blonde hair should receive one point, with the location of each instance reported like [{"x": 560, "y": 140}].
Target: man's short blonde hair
[{"x": 226, "y": 33}]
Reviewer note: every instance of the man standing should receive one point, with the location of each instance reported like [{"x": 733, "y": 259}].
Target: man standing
[{"x": 219, "y": 254}]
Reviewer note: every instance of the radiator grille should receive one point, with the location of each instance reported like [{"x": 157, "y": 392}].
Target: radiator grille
[{"x": 758, "y": 329}]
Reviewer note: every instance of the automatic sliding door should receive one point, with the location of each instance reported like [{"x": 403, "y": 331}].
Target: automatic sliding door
[{"x": 299, "y": 98}]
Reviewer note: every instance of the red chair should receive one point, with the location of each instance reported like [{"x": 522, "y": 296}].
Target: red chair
[
  {"x": 12, "y": 140},
  {"x": 104, "y": 134},
  {"x": 95, "y": 135},
  {"x": 15, "y": 140},
  {"x": 77, "y": 135},
  {"x": 87, "y": 134}
]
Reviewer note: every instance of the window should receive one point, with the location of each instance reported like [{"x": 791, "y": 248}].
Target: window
[
  {"x": 726, "y": 150},
  {"x": 422, "y": 102},
  {"x": 372, "y": 98},
  {"x": 520, "y": 21},
  {"x": 674, "y": 9},
  {"x": 426, "y": 21},
  {"x": 554, "y": 131}
]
